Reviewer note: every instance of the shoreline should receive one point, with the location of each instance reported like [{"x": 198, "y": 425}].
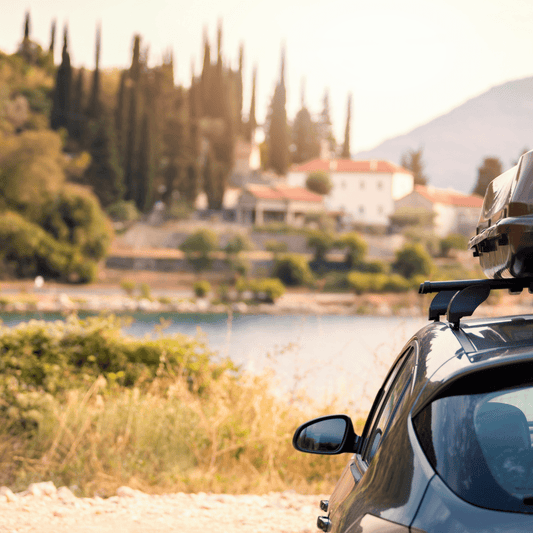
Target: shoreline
[{"x": 23, "y": 298}]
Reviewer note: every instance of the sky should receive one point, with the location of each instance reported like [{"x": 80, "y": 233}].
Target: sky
[{"x": 404, "y": 62}]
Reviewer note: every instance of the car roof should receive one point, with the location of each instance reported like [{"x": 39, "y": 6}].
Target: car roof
[{"x": 446, "y": 354}]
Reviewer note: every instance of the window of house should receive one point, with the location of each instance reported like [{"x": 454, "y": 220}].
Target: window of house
[
  {"x": 380, "y": 209},
  {"x": 380, "y": 185},
  {"x": 343, "y": 184},
  {"x": 362, "y": 209},
  {"x": 362, "y": 185}
]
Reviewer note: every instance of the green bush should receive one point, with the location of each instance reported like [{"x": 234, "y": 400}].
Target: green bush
[
  {"x": 203, "y": 241},
  {"x": 454, "y": 241},
  {"x": 145, "y": 291},
  {"x": 371, "y": 267},
  {"x": 201, "y": 288},
  {"x": 355, "y": 246},
  {"x": 237, "y": 244},
  {"x": 275, "y": 246},
  {"x": 128, "y": 286},
  {"x": 319, "y": 182},
  {"x": 362, "y": 282},
  {"x": 292, "y": 270},
  {"x": 123, "y": 211},
  {"x": 336, "y": 282},
  {"x": 198, "y": 247},
  {"x": 412, "y": 260},
  {"x": 321, "y": 242},
  {"x": 263, "y": 289}
]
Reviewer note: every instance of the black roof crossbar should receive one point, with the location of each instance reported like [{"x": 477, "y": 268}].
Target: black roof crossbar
[{"x": 460, "y": 298}]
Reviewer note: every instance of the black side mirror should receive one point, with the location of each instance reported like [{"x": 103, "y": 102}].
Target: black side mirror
[{"x": 327, "y": 435}]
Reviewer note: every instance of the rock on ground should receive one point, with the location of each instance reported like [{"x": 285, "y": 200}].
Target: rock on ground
[{"x": 45, "y": 509}]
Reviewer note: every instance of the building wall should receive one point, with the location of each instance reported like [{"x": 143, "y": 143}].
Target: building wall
[{"x": 366, "y": 197}]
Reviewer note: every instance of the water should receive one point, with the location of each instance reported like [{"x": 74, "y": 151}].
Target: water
[{"x": 326, "y": 355}]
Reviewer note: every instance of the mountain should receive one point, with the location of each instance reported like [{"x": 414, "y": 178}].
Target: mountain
[{"x": 498, "y": 123}]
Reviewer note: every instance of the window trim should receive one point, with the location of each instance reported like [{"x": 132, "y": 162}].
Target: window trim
[{"x": 383, "y": 395}]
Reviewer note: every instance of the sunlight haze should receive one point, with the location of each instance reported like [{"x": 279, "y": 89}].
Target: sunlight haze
[{"x": 405, "y": 63}]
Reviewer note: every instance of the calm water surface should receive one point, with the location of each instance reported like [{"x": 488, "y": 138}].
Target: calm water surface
[{"x": 326, "y": 355}]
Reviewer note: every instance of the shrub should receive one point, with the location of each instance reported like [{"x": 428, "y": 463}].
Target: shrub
[
  {"x": 292, "y": 269},
  {"x": 319, "y": 182},
  {"x": 201, "y": 288},
  {"x": 203, "y": 241},
  {"x": 145, "y": 291},
  {"x": 356, "y": 247},
  {"x": 128, "y": 286},
  {"x": 237, "y": 244},
  {"x": 123, "y": 211},
  {"x": 275, "y": 246},
  {"x": 263, "y": 289},
  {"x": 197, "y": 248},
  {"x": 396, "y": 283},
  {"x": 412, "y": 260},
  {"x": 336, "y": 281},
  {"x": 454, "y": 241},
  {"x": 321, "y": 242},
  {"x": 362, "y": 282},
  {"x": 371, "y": 267}
]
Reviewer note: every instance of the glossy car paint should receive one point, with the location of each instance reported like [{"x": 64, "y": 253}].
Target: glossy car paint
[{"x": 399, "y": 488}]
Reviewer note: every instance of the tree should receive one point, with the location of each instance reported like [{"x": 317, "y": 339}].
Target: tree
[
  {"x": 412, "y": 260},
  {"x": 321, "y": 242},
  {"x": 60, "y": 114},
  {"x": 104, "y": 173},
  {"x": 144, "y": 172},
  {"x": 131, "y": 129},
  {"x": 278, "y": 138},
  {"x": 52, "y": 39},
  {"x": 120, "y": 112},
  {"x": 252, "y": 122},
  {"x": 77, "y": 117},
  {"x": 346, "y": 146},
  {"x": 325, "y": 128},
  {"x": 305, "y": 137},
  {"x": 412, "y": 160},
  {"x": 198, "y": 247},
  {"x": 93, "y": 107},
  {"x": 356, "y": 248},
  {"x": 319, "y": 182},
  {"x": 490, "y": 169},
  {"x": 27, "y": 26}
]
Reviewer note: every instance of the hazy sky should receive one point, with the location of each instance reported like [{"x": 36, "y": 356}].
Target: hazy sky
[{"x": 405, "y": 62}]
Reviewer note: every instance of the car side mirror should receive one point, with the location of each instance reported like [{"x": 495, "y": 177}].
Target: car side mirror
[{"x": 327, "y": 435}]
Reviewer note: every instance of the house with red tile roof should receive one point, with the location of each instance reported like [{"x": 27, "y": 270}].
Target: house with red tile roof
[
  {"x": 364, "y": 191},
  {"x": 453, "y": 211},
  {"x": 261, "y": 204}
]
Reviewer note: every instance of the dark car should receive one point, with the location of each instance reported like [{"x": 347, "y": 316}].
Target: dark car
[{"x": 447, "y": 443}]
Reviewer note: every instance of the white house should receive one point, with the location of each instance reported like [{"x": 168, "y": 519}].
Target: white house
[
  {"x": 364, "y": 191},
  {"x": 454, "y": 212},
  {"x": 260, "y": 204}
]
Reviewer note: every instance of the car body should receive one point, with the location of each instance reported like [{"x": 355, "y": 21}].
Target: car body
[{"x": 447, "y": 442}]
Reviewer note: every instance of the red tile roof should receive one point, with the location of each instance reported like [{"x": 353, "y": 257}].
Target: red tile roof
[
  {"x": 449, "y": 197},
  {"x": 283, "y": 192},
  {"x": 348, "y": 165}
]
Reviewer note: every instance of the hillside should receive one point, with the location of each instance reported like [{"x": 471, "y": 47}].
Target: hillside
[{"x": 498, "y": 123}]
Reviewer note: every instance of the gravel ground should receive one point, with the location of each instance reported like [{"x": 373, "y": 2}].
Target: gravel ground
[{"x": 45, "y": 509}]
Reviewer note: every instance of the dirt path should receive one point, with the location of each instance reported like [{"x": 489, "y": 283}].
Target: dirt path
[{"x": 45, "y": 509}]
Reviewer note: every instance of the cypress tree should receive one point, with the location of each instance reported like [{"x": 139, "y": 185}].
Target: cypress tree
[
  {"x": 104, "y": 174},
  {"x": 93, "y": 107},
  {"x": 77, "y": 119},
  {"x": 131, "y": 130},
  {"x": 239, "y": 95},
  {"x": 278, "y": 141},
  {"x": 346, "y": 146},
  {"x": 325, "y": 124},
  {"x": 60, "y": 114},
  {"x": 52, "y": 38},
  {"x": 27, "y": 26},
  {"x": 119, "y": 116},
  {"x": 144, "y": 173},
  {"x": 205, "y": 79},
  {"x": 252, "y": 122}
]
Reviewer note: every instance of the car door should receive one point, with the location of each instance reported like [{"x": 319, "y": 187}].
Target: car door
[{"x": 348, "y": 503}]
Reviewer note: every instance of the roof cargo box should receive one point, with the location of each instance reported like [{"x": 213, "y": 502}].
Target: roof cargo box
[{"x": 504, "y": 235}]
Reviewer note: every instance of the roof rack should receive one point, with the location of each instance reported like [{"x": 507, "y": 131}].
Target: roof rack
[{"x": 460, "y": 298}]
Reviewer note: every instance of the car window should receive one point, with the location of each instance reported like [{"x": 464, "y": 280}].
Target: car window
[
  {"x": 480, "y": 445},
  {"x": 397, "y": 383}
]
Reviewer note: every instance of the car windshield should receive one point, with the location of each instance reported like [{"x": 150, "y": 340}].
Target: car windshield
[{"x": 480, "y": 445}]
